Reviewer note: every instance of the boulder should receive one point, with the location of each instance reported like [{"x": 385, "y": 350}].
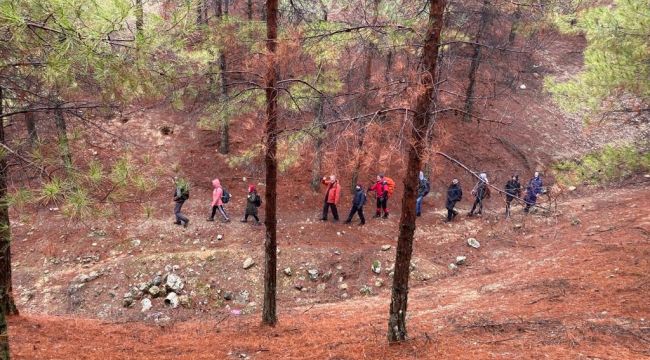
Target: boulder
[
  {"x": 146, "y": 305},
  {"x": 174, "y": 283},
  {"x": 127, "y": 301},
  {"x": 460, "y": 260},
  {"x": 248, "y": 263},
  {"x": 172, "y": 300},
  {"x": 473, "y": 243},
  {"x": 184, "y": 301},
  {"x": 227, "y": 295},
  {"x": 154, "y": 291},
  {"x": 313, "y": 274}
]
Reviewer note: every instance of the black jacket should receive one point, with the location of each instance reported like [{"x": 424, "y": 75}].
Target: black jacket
[
  {"x": 359, "y": 198},
  {"x": 513, "y": 188},
  {"x": 423, "y": 188},
  {"x": 180, "y": 195},
  {"x": 481, "y": 190},
  {"x": 454, "y": 195}
]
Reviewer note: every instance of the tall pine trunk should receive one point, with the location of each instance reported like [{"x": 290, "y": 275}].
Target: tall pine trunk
[
  {"x": 249, "y": 9},
  {"x": 476, "y": 61},
  {"x": 64, "y": 144},
  {"x": 270, "y": 244},
  {"x": 30, "y": 124},
  {"x": 365, "y": 101},
  {"x": 421, "y": 121},
  {"x": 7, "y": 305},
  {"x": 319, "y": 127},
  {"x": 224, "y": 145},
  {"x": 139, "y": 17}
]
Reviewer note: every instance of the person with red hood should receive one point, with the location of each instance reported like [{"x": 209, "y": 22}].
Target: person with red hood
[
  {"x": 253, "y": 201},
  {"x": 381, "y": 190},
  {"x": 217, "y": 201},
  {"x": 332, "y": 197}
]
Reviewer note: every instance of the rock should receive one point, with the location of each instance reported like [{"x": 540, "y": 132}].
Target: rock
[
  {"x": 172, "y": 300},
  {"x": 227, "y": 295},
  {"x": 25, "y": 296},
  {"x": 452, "y": 267},
  {"x": 313, "y": 274},
  {"x": 243, "y": 297},
  {"x": 343, "y": 286},
  {"x": 81, "y": 278},
  {"x": 248, "y": 263},
  {"x": 517, "y": 226},
  {"x": 327, "y": 275},
  {"x": 287, "y": 271},
  {"x": 376, "y": 267},
  {"x": 157, "y": 280},
  {"x": 75, "y": 287},
  {"x": 385, "y": 247},
  {"x": 460, "y": 260},
  {"x": 338, "y": 233},
  {"x": 337, "y": 252},
  {"x": 168, "y": 268},
  {"x": 219, "y": 237},
  {"x": 127, "y": 301},
  {"x": 135, "y": 242},
  {"x": 298, "y": 287},
  {"x": 522, "y": 87},
  {"x": 174, "y": 283},
  {"x": 365, "y": 290},
  {"x": 321, "y": 287},
  {"x": 143, "y": 287},
  {"x": 184, "y": 301},
  {"x": 390, "y": 269},
  {"x": 575, "y": 221},
  {"x": 176, "y": 267},
  {"x": 571, "y": 188},
  {"x": 146, "y": 305},
  {"x": 473, "y": 243},
  {"x": 379, "y": 282},
  {"x": 154, "y": 291}
]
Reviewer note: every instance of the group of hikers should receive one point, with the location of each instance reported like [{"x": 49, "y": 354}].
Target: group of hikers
[{"x": 383, "y": 188}]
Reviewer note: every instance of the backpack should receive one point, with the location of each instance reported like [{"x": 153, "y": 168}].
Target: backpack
[
  {"x": 390, "y": 184},
  {"x": 182, "y": 193},
  {"x": 225, "y": 196},
  {"x": 257, "y": 201}
]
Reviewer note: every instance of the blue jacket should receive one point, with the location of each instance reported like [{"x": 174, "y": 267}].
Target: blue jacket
[
  {"x": 359, "y": 198},
  {"x": 535, "y": 185}
]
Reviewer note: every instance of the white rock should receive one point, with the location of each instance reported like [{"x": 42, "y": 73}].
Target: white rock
[
  {"x": 460, "y": 260},
  {"x": 453, "y": 267},
  {"x": 172, "y": 300},
  {"x": 174, "y": 282},
  {"x": 571, "y": 188},
  {"x": 473, "y": 243},
  {"x": 376, "y": 267},
  {"x": 135, "y": 242},
  {"x": 287, "y": 271},
  {"x": 522, "y": 87},
  {"x": 146, "y": 305},
  {"x": 219, "y": 237},
  {"x": 379, "y": 282},
  {"x": 248, "y": 263},
  {"x": 313, "y": 274},
  {"x": 343, "y": 286},
  {"x": 385, "y": 247}
]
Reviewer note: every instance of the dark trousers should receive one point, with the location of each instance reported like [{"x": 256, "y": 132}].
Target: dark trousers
[
  {"x": 335, "y": 212},
  {"x": 356, "y": 210},
  {"x": 180, "y": 218},
  {"x": 221, "y": 210},
  {"x": 382, "y": 204},
  {"x": 451, "y": 213},
  {"x": 253, "y": 215},
  {"x": 478, "y": 202},
  {"x": 508, "y": 205}
]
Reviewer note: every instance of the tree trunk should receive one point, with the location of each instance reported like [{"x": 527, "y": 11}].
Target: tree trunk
[
  {"x": 421, "y": 121},
  {"x": 62, "y": 133},
  {"x": 139, "y": 17},
  {"x": 318, "y": 145},
  {"x": 476, "y": 61},
  {"x": 515, "y": 24},
  {"x": 30, "y": 124},
  {"x": 226, "y": 5},
  {"x": 224, "y": 146},
  {"x": 270, "y": 245},
  {"x": 365, "y": 100},
  {"x": 218, "y": 10},
  {"x": 249, "y": 9},
  {"x": 199, "y": 13}
]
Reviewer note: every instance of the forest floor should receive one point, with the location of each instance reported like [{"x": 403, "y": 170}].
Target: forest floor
[{"x": 571, "y": 285}]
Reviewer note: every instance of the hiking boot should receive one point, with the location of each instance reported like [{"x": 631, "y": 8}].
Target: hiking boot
[
  {"x": 209, "y": 219},
  {"x": 323, "y": 219},
  {"x": 257, "y": 223},
  {"x": 362, "y": 223},
  {"x": 386, "y": 216},
  {"x": 347, "y": 221},
  {"x": 178, "y": 222},
  {"x": 417, "y": 214},
  {"x": 186, "y": 224},
  {"x": 243, "y": 220},
  {"x": 227, "y": 221},
  {"x": 376, "y": 216}
]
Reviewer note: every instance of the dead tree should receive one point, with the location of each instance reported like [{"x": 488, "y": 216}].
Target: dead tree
[
  {"x": 476, "y": 60},
  {"x": 421, "y": 120},
  {"x": 269, "y": 316}
]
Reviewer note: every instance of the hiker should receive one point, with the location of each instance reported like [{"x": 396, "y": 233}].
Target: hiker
[
  {"x": 533, "y": 189},
  {"x": 181, "y": 194},
  {"x": 512, "y": 189},
  {"x": 253, "y": 201},
  {"x": 381, "y": 191},
  {"x": 218, "y": 197},
  {"x": 423, "y": 190},
  {"x": 454, "y": 195},
  {"x": 357, "y": 205},
  {"x": 332, "y": 197},
  {"x": 481, "y": 191}
]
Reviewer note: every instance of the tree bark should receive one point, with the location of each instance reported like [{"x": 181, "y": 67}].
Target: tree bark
[
  {"x": 224, "y": 145},
  {"x": 421, "y": 120},
  {"x": 30, "y": 124},
  {"x": 64, "y": 145},
  {"x": 139, "y": 17},
  {"x": 218, "y": 10},
  {"x": 515, "y": 24},
  {"x": 7, "y": 305},
  {"x": 476, "y": 61},
  {"x": 270, "y": 245},
  {"x": 249, "y": 9},
  {"x": 318, "y": 145}
]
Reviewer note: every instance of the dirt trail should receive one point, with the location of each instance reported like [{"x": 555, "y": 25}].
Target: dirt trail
[{"x": 572, "y": 286}]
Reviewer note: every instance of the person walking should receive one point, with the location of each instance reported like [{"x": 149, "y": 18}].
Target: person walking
[
  {"x": 357, "y": 205},
  {"x": 217, "y": 201},
  {"x": 481, "y": 191},
  {"x": 512, "y": 189},
  {"x": 533, "y": 189},
  {"x": 423, "y": 190},
  {"x": 381, "y": 191},
  {"x": 332, "y": 197},
  {"x": 454, "y": 195},
  {"x": 181, "y": 194},
  {"x": 253, "y": 201}
]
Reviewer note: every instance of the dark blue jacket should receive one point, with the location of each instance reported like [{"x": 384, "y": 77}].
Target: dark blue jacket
[
  {"x": 423, "y": 188},
  {"x": 536, "y": 185},
  {"x": 454, "y": 195},
  {"x": 359, "y": 198}
]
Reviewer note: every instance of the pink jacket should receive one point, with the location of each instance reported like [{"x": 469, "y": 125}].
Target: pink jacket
[{"x": 216, "y": 193}]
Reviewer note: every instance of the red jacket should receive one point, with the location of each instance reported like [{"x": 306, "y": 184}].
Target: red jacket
[
  {"x": 379, "y": 188},
  {"x": 333, "y": 192}
]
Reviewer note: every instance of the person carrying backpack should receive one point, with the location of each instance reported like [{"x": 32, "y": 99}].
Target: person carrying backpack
[
  {"x": 357, "y": 205},
  {"x": 332, "y": 197},
  {"x": 512, "y": 189},
  {"x": 181, "y": 194},
  {"x": 219, "y": 197},
  {"x": 381, "y": 190},
  {"x": 534, "y": 188},
  {"x": 423, "y": 190},
  {"x": 481, "y": 191},
  {"x": 454, "y": 195},
  {"x": 253, "y": 201}
]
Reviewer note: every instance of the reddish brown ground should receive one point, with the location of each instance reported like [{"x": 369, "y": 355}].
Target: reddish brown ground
[{"x": 552, "y": 289}]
